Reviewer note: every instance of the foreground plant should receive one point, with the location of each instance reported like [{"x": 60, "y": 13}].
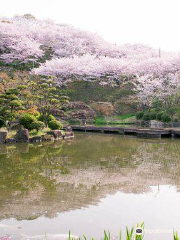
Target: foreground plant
[
  {"x": 130, "y": 234},
  {"x": 175, "y": 235}
]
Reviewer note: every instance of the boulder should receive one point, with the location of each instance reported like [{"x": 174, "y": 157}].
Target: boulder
[
  {"x": 36, "y": 139},
  {"x": 3, "y": 136},
  {"x": 55, "y": 133},
  {"x": 79, "y": 110},
  {"x": 22, "y": 136},
  {"x": 105, "y": 108},
  {"x": 10, "y": 140},
  {"x": 155, "y": 124},
  {"x": 69, "y": 129},
  {"x": 47, "y": 137},
  {"x": 69, "y": 134}
]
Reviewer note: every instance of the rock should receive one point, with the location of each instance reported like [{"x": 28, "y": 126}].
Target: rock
[
  {"x": 155, "y": 124},
  {"x": 69, "y": 129},
  {"x": 36, "y": 139},
  {"x": 55, "y": 133},
  {"x": 10, "y": 140},
  {"x": 3, "y": 136},
  {"x": 80, "y": 110},
  {"x": 47, "y": 137},
  {"x": 69, "y": 134},
  {"x": 105, "y": 108},
  {"x": 22, "y": 136}
]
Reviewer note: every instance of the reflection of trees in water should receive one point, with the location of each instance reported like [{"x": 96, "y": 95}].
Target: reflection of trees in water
[
  {"x": 48, "y": 178},
  {"x": 22, "y": 166}
]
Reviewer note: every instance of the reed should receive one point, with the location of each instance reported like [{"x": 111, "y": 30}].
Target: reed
[{"x": 130, "y": 234}]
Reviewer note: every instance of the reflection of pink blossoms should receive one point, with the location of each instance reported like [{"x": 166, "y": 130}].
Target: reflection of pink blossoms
[{"x": 5, "y": 238}]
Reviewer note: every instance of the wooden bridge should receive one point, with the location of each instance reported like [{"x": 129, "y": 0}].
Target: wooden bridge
[{"x": 139, "y": 132}]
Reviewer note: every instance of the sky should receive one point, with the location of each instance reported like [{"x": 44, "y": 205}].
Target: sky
[{"x": 152, "y": 22}]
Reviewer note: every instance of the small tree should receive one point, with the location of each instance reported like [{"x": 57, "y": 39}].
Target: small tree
[
  {"x": 38, "y": 125},
  {"x": 10, "y": 103},
  {"x": 45, "y": 97},
  {"x": 55, "y": 125}
]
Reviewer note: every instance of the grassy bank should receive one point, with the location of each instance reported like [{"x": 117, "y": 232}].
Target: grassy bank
[{"x": 124, "y": 119}]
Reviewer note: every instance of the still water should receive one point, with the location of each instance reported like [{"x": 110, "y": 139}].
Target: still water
[{"x": 89, "y": 184}]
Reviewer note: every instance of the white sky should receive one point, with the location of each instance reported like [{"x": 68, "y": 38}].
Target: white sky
[{"x": 152, "y": 22}]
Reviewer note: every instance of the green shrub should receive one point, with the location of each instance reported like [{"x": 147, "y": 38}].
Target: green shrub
[
  {"x": 175, "y": 119},
  {"x": 27, "y": 120},
  {"x": 159, "y": 116},
  {"x": 55, "y": 125},
  {"x": 37, "y": 125},
  {"x": 166, "y": 118},
  {"x": 139, "y": 115},
  {"x": 146, "y": 117},
  {"x": 152, "y": 116},
  {"x": 172, "y": 110},
  {"x": 50, "y": 118},
  {"x": 75, "y": 122},
  {"x": 99, "y": 121}
]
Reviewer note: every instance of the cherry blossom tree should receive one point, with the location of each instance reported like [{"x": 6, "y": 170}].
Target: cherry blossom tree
[{"x": 68, "y": 53}]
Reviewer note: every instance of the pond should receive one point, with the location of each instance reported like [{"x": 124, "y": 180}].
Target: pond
[{"x": 89, "y": 184}]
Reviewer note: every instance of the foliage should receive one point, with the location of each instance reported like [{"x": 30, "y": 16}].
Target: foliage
[
  {"x": 146, "y": 116},
  {"x": 159, "y": 115},
  {"x": 175, "y": 235},
  {"x": 45, "y": 97},
  {"x": 100, "y": 121},
  {"x": 37, "y": 125},
  {"x": 75, "y": 122},
  {"x": 129, "y": 235},
  {"x": 27, "y": 121},
  {"x": 139, "y": 115},
  {"x": 175, "y": 119},
  {"x": 50, "y": 118},
  {"x": 152, "y": 115},
  {"x": 166, "y": 117},
  {"x": 55, "y": 125},
  {"x": 10, "y": 104}
]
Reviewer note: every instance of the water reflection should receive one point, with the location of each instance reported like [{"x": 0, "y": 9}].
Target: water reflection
[{"x": 51, "y": 178}]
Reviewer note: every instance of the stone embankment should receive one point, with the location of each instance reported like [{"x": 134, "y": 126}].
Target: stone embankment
[
  {"x": 139, "y": 132},
  {"x": 23, "y": 136}
]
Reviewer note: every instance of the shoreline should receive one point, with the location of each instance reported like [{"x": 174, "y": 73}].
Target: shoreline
[{"x": 135, "y": 131}]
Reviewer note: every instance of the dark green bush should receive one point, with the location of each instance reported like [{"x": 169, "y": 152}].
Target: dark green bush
[
  {"x": 175, "y": 119},
  {"x": 146, "y": 117},
  {"x": 166, "y": 118},
  {"x": 139, "y": 115},
  {"x": 152, "y": 116},
  {"x": 37, "y": 125},
  {"x": 50, "y": 118},
  {"x": 75, "y": 122},
  {"x": 159, "y": 116},
  {"x": 27, "y": 120},
  {"x": 172, "y": 110},
  {"x": 55, "y": 125}
]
